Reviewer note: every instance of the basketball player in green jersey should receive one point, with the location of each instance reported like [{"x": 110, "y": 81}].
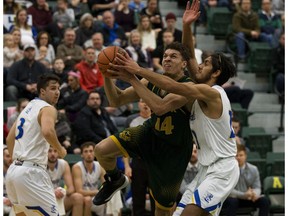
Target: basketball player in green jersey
[{"x": 164, "y": 142}]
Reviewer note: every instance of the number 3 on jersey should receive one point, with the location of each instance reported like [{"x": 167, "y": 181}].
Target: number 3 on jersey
[
  {"x": 20, "y": 129},
  {"x": 166, "y": 125}
]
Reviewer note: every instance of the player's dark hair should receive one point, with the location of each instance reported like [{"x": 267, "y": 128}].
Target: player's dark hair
[
  {"x": 184, "y": 51},
  {"x": 44, "y": 80},
  {"x": 225, "y": 65},
  {"x": 86, "y": 145}
]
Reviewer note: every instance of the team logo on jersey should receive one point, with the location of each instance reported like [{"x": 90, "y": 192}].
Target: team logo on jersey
[
  {"x": 125, "y": 135},
  {"x": 208, "y": 197},
  {"x": 53, "y": 209}
]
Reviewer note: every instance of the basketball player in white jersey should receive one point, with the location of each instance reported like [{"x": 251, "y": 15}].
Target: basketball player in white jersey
[
  {"x": 28, "y": 184},
  {"x": 210, "y": 120},
  {"x": 59, "y": 170},
  {"x": 88, "y": 175}
]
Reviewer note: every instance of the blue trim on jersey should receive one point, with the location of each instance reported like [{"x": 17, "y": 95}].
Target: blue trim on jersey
[
  {"x": 38, "y": 208},
  {"x": 181, "y": 205},
  {"x": 212, "y": 208},
  {"x": 197, "y": 198}
]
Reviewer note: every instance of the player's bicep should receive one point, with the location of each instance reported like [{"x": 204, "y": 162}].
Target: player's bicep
[
  {"x": 68, "y": 177},
  {"x": 173, "y": 101},
  {"x": 77, "y": 177}
]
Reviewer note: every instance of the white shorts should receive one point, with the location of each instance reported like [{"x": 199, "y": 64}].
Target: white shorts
[
  {"x": 31, "y": 187},
  {"x": 211, "y": 186},
  {"x": 115, "y": 205}
]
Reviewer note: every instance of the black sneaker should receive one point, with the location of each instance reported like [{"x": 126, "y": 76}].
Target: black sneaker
[{"x": 109, "y": 188}]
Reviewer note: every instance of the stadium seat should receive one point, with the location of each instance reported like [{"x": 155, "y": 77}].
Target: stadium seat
[
  {"x": 275, "y": 163},
  {"x": 218, "y": 20},
  {"x": 240, "y": 113},
  {"x": 274, "y": 189},
  {"x": 259, "y": 60},
  {"x": 246, "y": 131},
  {"x": 253, "y": 155},
  {"x": 72, "y": 159},
  {"x": 260, "y": 142}
]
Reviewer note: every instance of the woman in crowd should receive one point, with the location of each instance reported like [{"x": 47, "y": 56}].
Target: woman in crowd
[{"x": 43, "y": 39}]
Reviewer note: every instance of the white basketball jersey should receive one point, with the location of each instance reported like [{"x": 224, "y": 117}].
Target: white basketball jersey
[
  {"x": 214, "y": 138},
  {"x": 91, "y": 181},
  {"x": 30, "y": 145},
  {"x": 56, "y": 175}
]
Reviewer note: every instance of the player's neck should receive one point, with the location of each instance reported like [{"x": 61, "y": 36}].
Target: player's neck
[{"x": 88, "y": 166}]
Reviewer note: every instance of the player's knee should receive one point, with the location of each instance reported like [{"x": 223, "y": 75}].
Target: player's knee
[
  {"x": 87, "y": 201},
  {"x": 77, "y": 199}
]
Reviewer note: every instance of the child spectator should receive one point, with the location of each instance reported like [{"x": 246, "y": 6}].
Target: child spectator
[
  {"x": 10, "y": 51},
  {"x": 63, "y": 16},
  {"x": 43, "y": 39}
]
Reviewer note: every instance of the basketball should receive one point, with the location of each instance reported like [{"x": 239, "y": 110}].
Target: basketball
[{"x": 106, "y": 56}]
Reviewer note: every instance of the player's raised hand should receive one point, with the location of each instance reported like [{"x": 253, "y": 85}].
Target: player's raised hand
[
  {"x": 125, "y": 62},
  {"x": 191, "y": 13}
]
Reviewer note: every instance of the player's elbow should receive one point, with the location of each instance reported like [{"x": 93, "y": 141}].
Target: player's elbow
[
  {"x": 159, "y": 110},
  {"x": 47, "y": 132}
]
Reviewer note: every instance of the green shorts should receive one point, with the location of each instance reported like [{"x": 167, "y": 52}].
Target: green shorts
[{"x": 166, "y": 161}]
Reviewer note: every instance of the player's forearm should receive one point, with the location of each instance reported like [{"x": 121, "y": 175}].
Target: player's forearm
[
  {"x": 51, "y": 137},
  {"x": 10, "y": 139},
  {"x": 112, "y": 92}
]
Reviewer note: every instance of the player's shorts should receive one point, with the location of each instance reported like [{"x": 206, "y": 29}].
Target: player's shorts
[
  {"x": 211, "y": 186},
  {"x": 32, "y": 188},
  {"x": 166, "y": 162}
]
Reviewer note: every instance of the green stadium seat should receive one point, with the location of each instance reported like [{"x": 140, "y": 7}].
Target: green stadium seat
[
  {"x": 72, "y": 159},
  {"x": 246, "y": 131},
  {"x": 274, "y": 189},
  {"x": 240, "y": 113},
  {"x": 259, "y": 60},
  {"x": 260, "y": 142},
  {"x": 253, "y": 155},
  {"x": 275, "y": 164},
  {"x": 218, "y": 20}
]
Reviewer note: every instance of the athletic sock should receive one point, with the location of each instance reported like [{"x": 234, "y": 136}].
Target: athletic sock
[{"x": 114, "y": 174}]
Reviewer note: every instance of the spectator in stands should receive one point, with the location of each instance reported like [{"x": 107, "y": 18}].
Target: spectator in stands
[
  {"x": 113, "y": 34},
  {"x": 16, "y": 33},
  {"x": 237, "y": 127},
  {"x": 70, "y": 52},
  {"x": 42, "y": 17},
  {"x": 137, "y": 52},
  {"x": 72, "y": 98},
  {"x": 190, "y": 173},
  {"x": 98, "y": 44},
  {"x": 270, "y": 24},
  {"x": 247, "y": 192},
  {"x": 124, "y": 17},
  {"x": 58, "y": 70},
  {"x": 11, "y": 52},
  {"x": 148, "y": 35},
  {"x": 91, "y": 77},
  {"x": 43, "y": 39},
  {"x": 11, "y": 7},
  {"x": 278, "y": 6},
  {"x": 153, "y": 12},
  {"x": 21, "y": 104},
  {"x": 170, "y": 26},
  {"x": 79, "y": 7},
  {"x": 136, "y": 6},
  {"x": 59, "y": 170},
  {"x": 63, "y": 16},
  {"x": 87, "y": 175},
  {"x": 7, "y": 161},
  {"x": 23, "y": 75},
  {"x": 28, "y": 33},
  {"x": 98, "y": 7},
  {"x": 93, "y": 123},
  {"x": 86, "y": 29},
  {"x": 245, "y": 24},
  {"x": 237, "y": 94},
  {"x": 157, "y": 55},
  {"x": 279, "y": 66}
]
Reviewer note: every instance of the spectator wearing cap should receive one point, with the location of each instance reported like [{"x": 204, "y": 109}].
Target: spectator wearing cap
[
  {"x": 170, "y": 26},
  {"x": 91, "y": 77},
  {"x": 73, "y": 97},
  {"x": 23, "y": 75},
  {"x": 69, "y": 51}
]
